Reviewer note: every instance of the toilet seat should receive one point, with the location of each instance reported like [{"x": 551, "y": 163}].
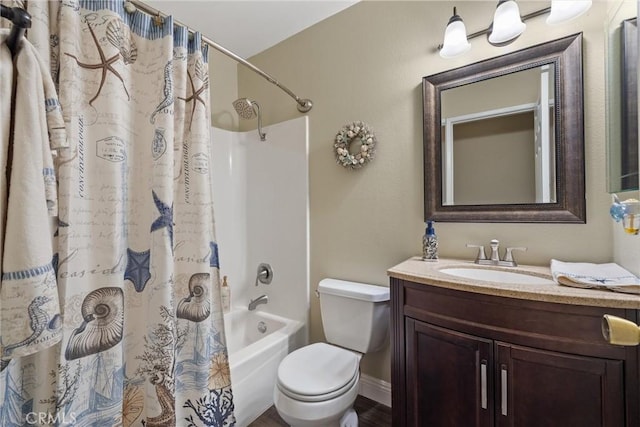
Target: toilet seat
[
  {"x": 318, "y": 372},
  {"x": 320, "y": 397}
]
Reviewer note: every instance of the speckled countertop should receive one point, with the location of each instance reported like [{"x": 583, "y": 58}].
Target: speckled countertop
[{"x": 416, "y": 270}]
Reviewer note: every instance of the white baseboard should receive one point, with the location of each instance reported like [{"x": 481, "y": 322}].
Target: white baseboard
[{"x": 375, "y": 389}]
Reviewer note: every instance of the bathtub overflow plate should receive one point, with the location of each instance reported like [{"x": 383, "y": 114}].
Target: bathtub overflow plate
[{"x": 262, "y": 327}]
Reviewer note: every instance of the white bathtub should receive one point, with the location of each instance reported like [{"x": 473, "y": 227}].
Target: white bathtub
[{"x": 254, "y": 357}]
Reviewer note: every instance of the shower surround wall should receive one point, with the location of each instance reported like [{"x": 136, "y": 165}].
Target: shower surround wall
[{"x": 261, "y": 202}]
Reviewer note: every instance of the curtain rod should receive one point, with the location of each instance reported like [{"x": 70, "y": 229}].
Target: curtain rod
[{"x": 304, "y": 105}]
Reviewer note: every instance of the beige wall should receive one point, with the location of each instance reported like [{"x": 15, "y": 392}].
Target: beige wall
[
  {"x": 223, "y": 78},
  {"x": 366, "y": 63}
]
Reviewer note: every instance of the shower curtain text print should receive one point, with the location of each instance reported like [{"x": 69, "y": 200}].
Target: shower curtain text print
[{"x": 136, "y": 256}]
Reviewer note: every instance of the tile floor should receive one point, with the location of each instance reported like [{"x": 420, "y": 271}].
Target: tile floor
[{"x": 370, "y": 414}]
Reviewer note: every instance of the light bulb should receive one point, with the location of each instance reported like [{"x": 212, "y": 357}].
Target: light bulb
[
  {"x": 507, "y": 24},
  {"x": 565, "y": 10},
  {"x": 455, "y": 38}
]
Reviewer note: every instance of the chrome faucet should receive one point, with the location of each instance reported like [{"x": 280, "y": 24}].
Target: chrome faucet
[
  {"x": 495, "y": 255},
  {"x": 508, "y": 260},
  {"x": 262, "y": 299}
]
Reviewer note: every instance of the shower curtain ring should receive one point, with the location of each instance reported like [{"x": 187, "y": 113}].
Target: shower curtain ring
[
  {"x": 158, "y": 20},
  {"x": 130, "y": 7}
]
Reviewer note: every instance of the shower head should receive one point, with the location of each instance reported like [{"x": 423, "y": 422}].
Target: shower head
[
  {"x": 245, "y": 108},
  {"x": 248, "y": 109}
]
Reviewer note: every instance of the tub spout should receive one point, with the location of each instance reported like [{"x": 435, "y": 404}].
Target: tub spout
[{"x": 262, "y": 299}]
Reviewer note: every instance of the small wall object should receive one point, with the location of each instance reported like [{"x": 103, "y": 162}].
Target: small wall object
[
  {"x": 627, "y": 212},
  {"x": 355, "y": 132}
]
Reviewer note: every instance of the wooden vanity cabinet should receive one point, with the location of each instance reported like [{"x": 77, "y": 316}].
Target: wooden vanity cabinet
[{"x": 463, "y": 359}]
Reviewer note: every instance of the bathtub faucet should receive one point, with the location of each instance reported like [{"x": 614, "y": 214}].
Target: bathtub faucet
[
  {"x": 264, "y": 274},
  {"x": 262, "y": 299}
]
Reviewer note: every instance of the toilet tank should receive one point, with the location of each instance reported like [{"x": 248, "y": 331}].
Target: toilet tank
[{"x": 354, "y": 315}]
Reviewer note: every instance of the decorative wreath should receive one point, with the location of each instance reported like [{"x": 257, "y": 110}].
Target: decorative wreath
[{"x": 350, "y": 133}]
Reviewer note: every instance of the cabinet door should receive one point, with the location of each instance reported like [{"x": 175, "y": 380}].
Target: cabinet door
[
  {"x": 536, "y": 388},
  {"x": 449, "y": 377}
]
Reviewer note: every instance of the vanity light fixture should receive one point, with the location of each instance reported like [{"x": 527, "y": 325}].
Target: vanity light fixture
[
  {"x": 507, "y": 24},
  {"x": 455, "y": 37},
  {"x": 566, "y": 10}
]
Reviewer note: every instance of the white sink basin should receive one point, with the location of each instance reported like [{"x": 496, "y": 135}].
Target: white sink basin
[{"x": 496, "y": 276}]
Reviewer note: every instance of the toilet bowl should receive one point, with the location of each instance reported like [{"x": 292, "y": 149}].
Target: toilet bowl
[{"x": 317, "y": 384}]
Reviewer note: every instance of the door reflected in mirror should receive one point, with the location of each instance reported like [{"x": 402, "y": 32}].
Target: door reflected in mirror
[{"x": 498, "y": 140}]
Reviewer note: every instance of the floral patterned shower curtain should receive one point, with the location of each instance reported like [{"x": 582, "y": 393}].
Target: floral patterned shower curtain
[{"x": 137, "y": 260}]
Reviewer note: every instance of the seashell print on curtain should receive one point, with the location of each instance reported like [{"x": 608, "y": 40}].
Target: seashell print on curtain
[{"x": 137, "y": 259}]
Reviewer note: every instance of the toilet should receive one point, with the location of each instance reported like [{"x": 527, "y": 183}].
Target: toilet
[{"x": 317, "y": 384}]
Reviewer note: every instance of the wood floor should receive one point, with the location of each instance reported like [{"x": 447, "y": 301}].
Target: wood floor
[{"x": 370, "y": 414}]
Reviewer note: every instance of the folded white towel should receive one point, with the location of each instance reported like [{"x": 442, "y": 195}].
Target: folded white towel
[
  {"x": 609, "y": 276},
  {"x": 29, "y": 305}
]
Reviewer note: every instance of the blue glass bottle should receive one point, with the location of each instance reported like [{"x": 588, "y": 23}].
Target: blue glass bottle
[{"x": 430, "y": 243}]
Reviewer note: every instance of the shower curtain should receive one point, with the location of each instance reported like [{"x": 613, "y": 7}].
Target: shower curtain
[{"x": 137, "y": 259}]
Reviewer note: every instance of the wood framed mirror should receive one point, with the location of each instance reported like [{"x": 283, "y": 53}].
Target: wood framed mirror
[{"x": 504, "y": 138}]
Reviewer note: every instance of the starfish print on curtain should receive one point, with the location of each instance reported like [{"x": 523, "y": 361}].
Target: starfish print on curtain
[
  {"x": 165, "y": 219},
  {"x": 137, "y": 270},
  {"x": 105, "y": 65},
  {"x": 214, "y": 260},
  {"x": 195, "y": 93}
]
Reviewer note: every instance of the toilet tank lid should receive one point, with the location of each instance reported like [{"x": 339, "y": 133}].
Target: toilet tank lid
[{"x": 361, "y": 291}]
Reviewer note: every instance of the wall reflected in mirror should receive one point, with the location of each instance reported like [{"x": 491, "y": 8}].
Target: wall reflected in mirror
[
  {"x": 622, "y": 96},
  {"x": 498, "y": 140}
]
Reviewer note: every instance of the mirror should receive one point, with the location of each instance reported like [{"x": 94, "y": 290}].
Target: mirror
[
  {"x": 480, "y": 131},
  {"x": 629, "y": 91},
  {"x": 622, "y": 96},
  {"x": 504, "y": 138}
]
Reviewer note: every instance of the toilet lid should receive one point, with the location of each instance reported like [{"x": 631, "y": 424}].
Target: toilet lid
[{"x": 317, "y": 370}]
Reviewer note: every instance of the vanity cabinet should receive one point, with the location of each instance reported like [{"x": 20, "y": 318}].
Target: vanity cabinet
[{"x": 466, "y": 359}]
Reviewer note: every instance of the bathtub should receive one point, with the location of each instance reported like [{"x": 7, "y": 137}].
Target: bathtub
[{"x": 257, "y": 342}]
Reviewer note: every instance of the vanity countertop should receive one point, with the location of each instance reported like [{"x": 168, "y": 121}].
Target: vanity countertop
[{"x": 416, "y": 270}]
